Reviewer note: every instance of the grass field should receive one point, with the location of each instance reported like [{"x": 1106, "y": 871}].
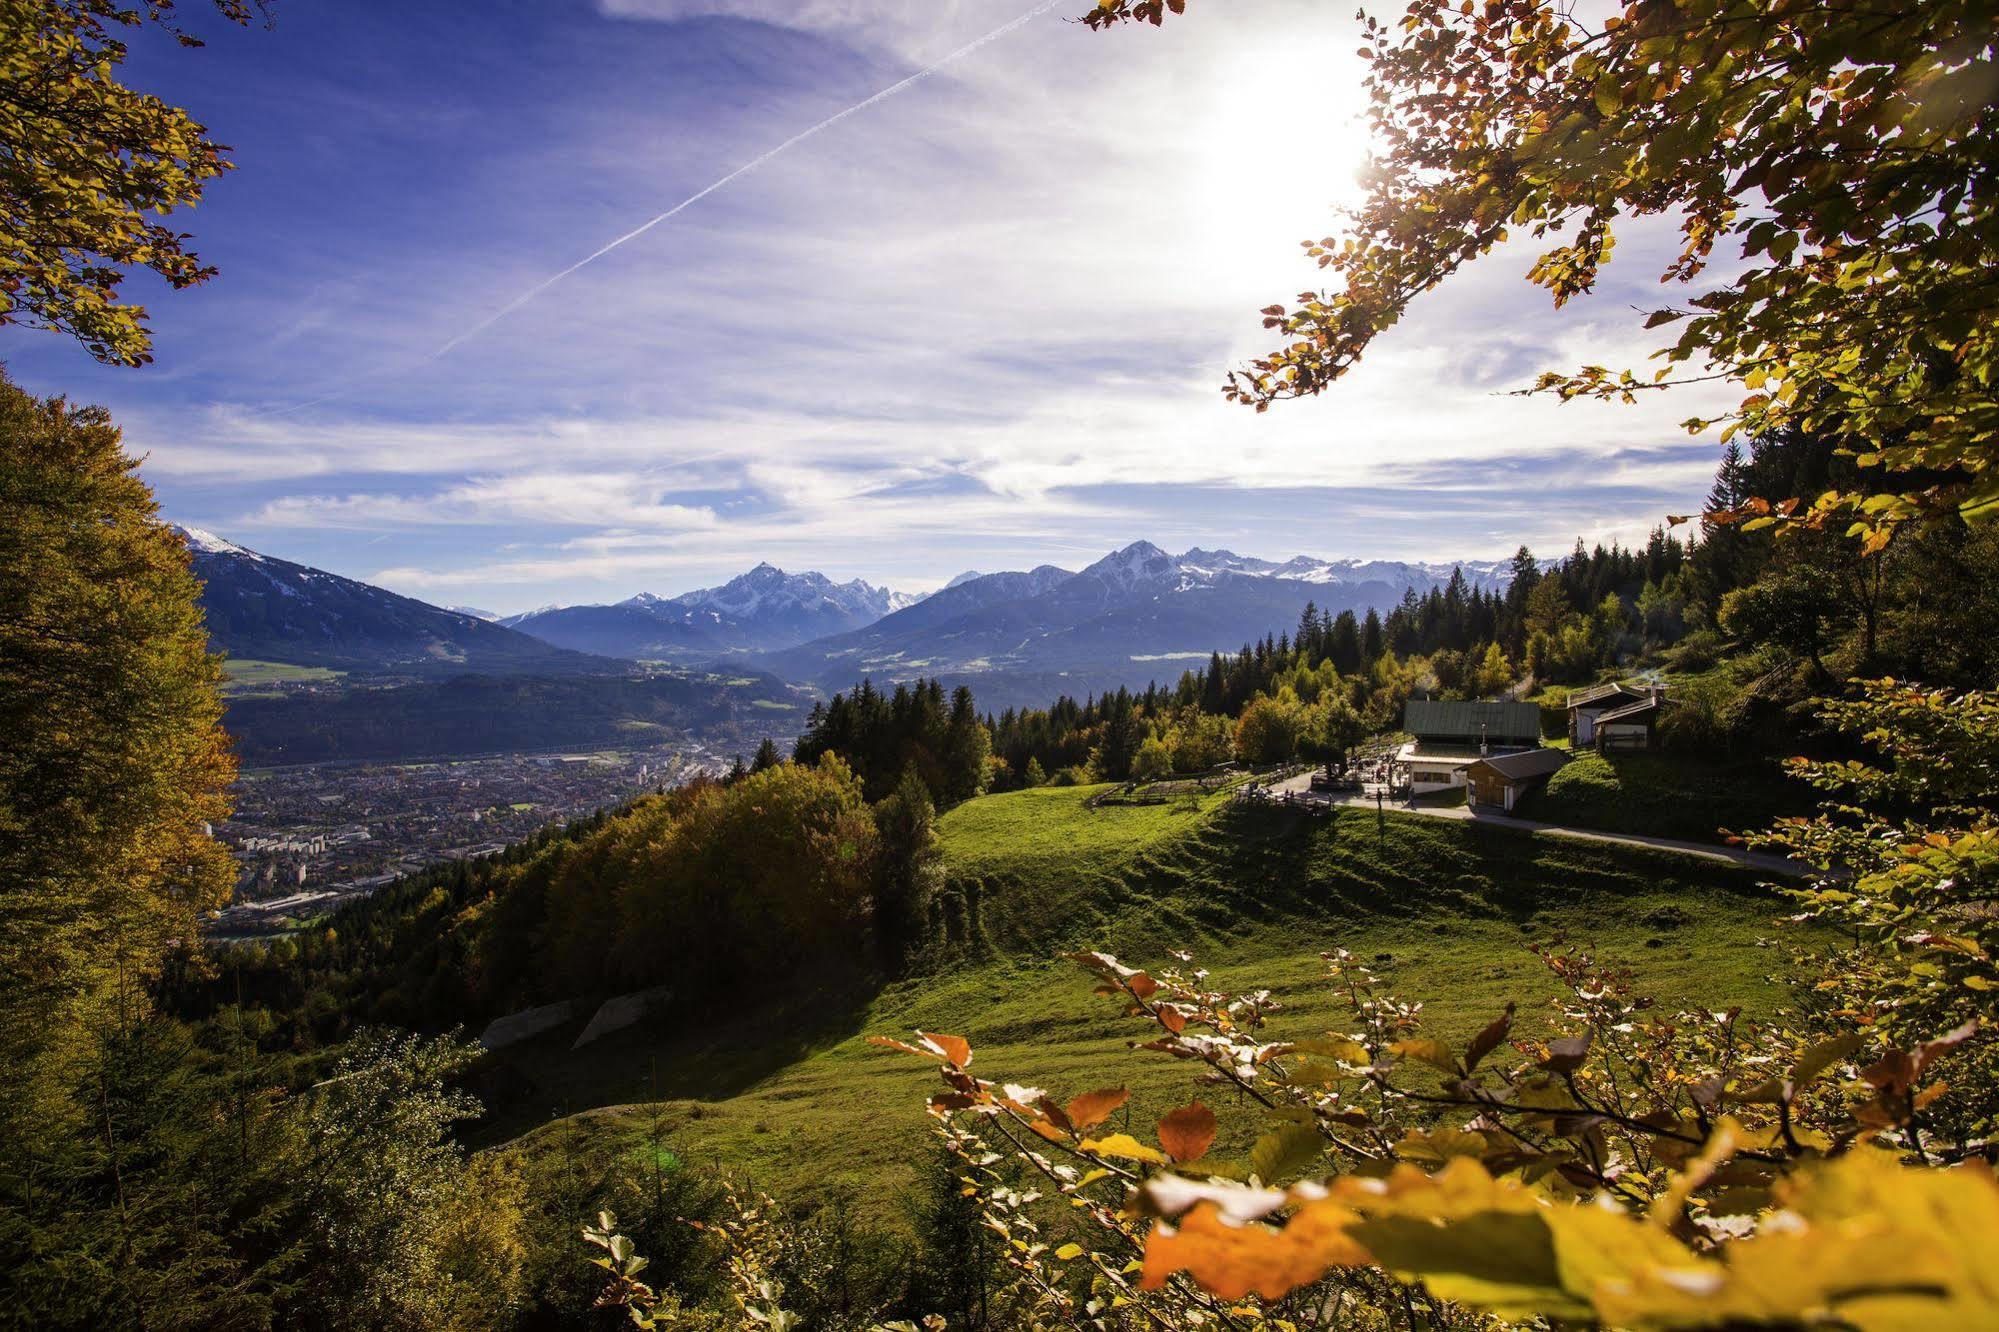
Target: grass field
[
  {"x": 244, "y": 674},
  {"x": 794, "y": 1095}
]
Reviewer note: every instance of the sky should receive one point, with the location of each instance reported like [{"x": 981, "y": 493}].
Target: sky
[{"x": 981, "y": 323}]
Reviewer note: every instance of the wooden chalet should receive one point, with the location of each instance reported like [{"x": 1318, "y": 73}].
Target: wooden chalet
[
  {"x": 1503, "y": 778},
  {"x": 1617, "y": 716}
]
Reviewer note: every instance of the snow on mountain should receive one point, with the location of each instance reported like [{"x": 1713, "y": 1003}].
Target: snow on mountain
[
  {"x": 767, "y": 590},
  {"x": 1139, "y": 565},
  {"x": 207, "y": 543},
  {"x": 1019, "y": 638},
  {"x": 759, "y": 611},
  {"x": 1305, "y": 569},
  {"x": 961, "y": 579},
  {"x": 269, "y": 609}
]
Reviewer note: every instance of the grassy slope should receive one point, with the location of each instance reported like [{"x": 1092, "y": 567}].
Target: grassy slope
[{"x": 797, "y": 1097}]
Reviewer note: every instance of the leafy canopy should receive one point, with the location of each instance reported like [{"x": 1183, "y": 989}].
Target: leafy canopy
[
  {"x": 1834, "y": 162},
  {"x": 88, "y": 166}
]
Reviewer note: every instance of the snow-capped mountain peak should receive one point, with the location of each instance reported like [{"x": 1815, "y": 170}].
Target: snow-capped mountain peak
[
  {"x": 1139, "y": 564},
  {"x": 206, "y": 542}
]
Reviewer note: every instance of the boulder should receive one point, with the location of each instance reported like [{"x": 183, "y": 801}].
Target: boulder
[
  {"x": 618, "y": 1013},
  {"x": 517, "y": 1027}
]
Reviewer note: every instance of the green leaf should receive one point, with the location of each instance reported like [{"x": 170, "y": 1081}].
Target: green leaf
[
  {"x": 1285, "y": 1152},
  {"x": 1434, "y": 1053}
]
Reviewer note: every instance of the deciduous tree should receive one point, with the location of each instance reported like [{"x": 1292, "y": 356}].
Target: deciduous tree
[{"x": 112, "y": 758}]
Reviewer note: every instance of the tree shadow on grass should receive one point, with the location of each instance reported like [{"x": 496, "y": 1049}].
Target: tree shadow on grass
[{"x": 676, "y": 1054}]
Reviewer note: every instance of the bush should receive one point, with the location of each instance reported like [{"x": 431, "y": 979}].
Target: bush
[
  {"x": 1153, "y": 761},
  {"x": 1696, "y": 652}
]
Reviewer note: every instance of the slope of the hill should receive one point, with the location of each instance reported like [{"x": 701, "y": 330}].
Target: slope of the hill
[{"x": 793, "y": 1093}]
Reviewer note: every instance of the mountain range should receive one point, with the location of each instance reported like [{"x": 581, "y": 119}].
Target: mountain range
[
  {"x": 760, "y": 611},
  {"x": 1018, "y": 637},
  {"x": 1137, "y": 615}
]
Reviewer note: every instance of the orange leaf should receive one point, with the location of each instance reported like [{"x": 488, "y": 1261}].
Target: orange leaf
[
  {"x": 1093, "y": 1108},
  {"x": 1188, "y": 1132},
  {"x": 1237, "y": 1260},
  {"x": 904, "y": 1046},
  {"x": 954, "y": 1049}
]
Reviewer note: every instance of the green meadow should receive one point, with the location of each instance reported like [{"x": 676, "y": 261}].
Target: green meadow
[{"x": 794, "y": 1096}]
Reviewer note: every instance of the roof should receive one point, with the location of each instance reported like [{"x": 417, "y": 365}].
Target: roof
[
  {"x": 1633, "y": 711},
  {"x": 1495, "y": 721},
  {"x": 1605, "y": 696},
  {"x": 1528, "y": 763}
]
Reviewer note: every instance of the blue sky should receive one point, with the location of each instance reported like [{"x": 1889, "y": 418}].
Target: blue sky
[{"x": 980, "y": 324}]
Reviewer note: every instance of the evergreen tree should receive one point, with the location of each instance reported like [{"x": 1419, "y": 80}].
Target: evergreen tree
[
  {"x": 910, "y": 870},
  {"x": 966, "y": 745},
  {"x": 1372, "y": 640}
]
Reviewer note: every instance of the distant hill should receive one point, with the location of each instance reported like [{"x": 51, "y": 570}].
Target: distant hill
[
  {"x": 1138, "y": 614},
  {"x": 763, "y": 610},
  {"x": 267, "y": 609}
]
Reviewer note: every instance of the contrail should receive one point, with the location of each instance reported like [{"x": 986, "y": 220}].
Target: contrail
[{"x": 743, "y": 170}]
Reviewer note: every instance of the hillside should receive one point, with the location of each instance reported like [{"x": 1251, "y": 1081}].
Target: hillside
[
  {"x": 793, "y": 1093},
  {"x": 477, "y": 714}
]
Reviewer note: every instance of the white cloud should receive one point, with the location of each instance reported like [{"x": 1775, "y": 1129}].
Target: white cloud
[{"x": 575, "y": 499}]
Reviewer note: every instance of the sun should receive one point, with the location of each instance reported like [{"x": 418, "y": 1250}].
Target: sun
[{"x": 1275, "y": 157}]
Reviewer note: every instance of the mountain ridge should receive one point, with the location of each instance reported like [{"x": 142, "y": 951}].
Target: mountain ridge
[
  {"x": 765, "y": 609},
  {"x": 265, "y": 608}
]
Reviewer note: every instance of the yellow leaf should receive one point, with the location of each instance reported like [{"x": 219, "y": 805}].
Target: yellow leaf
[{"x": 1124, "y": 1146}]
